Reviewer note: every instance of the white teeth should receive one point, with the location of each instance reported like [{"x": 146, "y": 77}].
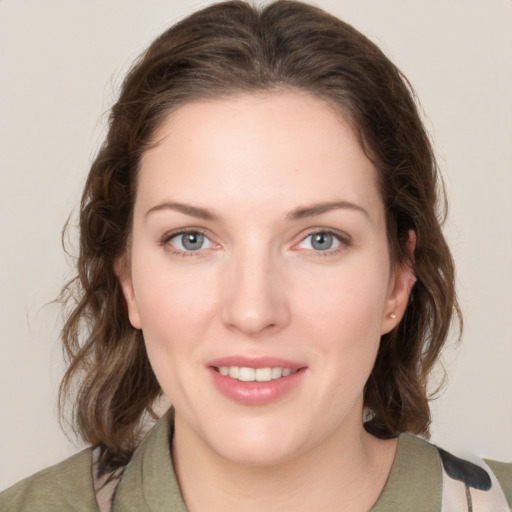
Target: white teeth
[
  {"x": 246, "y": 374},
  {"x": 276, "y": 373},
  {"x": 263, "y": 374}
]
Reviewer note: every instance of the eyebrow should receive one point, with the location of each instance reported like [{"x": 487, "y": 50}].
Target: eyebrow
[
  {"x": 187, "y": 209},
  {"x": 319, "y": 208},
  {"x": 295, "y": 214}
]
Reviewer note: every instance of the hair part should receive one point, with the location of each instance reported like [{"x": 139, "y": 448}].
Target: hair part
[{"x": 234, "y": 48}]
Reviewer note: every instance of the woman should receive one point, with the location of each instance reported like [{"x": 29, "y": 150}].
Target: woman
[{"x": 260, "y": 243}]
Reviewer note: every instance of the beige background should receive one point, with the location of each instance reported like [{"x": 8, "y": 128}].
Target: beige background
[{"x": 61, "y": 63}]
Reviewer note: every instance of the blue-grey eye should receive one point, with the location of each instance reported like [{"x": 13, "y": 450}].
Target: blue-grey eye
[
  {"x": 322, "y": 241},
  {"x": 190, "y": 241}
]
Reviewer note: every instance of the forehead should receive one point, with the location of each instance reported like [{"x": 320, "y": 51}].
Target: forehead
[{"x": 283, "y": 148}]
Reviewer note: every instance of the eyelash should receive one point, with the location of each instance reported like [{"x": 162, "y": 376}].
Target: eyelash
[
  {"x": 342, "y": 238},
  {"x": 166, "y": 239}
]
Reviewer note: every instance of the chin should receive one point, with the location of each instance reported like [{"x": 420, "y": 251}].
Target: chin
[
  {"x": 256, "y": 454},
  {"x": 259, "y": 444}
]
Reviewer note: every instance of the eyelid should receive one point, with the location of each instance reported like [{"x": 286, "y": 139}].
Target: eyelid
[
  {"x": 168, "y": 236},
  {"x": 343, "y": 238}
]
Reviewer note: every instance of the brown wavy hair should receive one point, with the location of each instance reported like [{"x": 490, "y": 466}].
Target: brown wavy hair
[{"x": 234, "y": 48}]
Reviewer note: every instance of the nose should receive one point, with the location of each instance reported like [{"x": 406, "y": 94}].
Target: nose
[{"x": 255, "y": 299}]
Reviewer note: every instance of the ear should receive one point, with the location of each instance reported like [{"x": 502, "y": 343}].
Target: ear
[
  {"x": 122, "y": 271},
  {"x": 400, "y": 287}
]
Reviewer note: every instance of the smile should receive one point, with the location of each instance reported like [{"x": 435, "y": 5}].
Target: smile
[{"x": 246, "y": 374}]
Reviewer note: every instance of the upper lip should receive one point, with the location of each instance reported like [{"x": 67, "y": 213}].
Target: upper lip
[{"x": 255, "y": 362}]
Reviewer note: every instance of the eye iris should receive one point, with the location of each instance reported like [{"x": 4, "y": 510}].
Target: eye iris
[
  {"x": 192, "y": 241},
  {"x": 322, "y": 241}
]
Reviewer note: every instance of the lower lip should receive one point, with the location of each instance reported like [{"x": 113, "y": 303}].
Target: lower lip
[{"x": 255, "y": 393}]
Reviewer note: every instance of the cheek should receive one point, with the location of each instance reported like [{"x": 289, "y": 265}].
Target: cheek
[
  {"x": 344, "y": 318},
  {"x": 173, "y": 314},
  {"x": 174, "y": 306},
  {"x": 347, "y": 300}
]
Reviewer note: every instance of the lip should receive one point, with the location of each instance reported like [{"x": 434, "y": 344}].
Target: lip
[
  {"x": 255, "y": 362},
  {"x": 255, "y": 393}
]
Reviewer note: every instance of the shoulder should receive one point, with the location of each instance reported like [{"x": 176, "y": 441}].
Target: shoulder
[
  {"x": 415, "y": 478},
  {"x": 503, "y": 472},
  {"x": 64, "y": 486},
  {"x": 440, "y": 481}
]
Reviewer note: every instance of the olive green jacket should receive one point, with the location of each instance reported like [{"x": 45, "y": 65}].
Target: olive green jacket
[{"x": 149, "y": 482}]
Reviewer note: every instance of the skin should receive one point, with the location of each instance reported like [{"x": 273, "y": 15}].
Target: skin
[{"x": 258, "y": 287}]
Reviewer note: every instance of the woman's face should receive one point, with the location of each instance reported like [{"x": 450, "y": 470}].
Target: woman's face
[{"x": 260, "y": 274}]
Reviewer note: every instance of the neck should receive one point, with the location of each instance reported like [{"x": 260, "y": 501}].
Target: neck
[{"x": 346, "y": 472}]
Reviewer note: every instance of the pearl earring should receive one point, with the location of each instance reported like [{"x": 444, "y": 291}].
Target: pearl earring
[{"x": 392, "y": 315}]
